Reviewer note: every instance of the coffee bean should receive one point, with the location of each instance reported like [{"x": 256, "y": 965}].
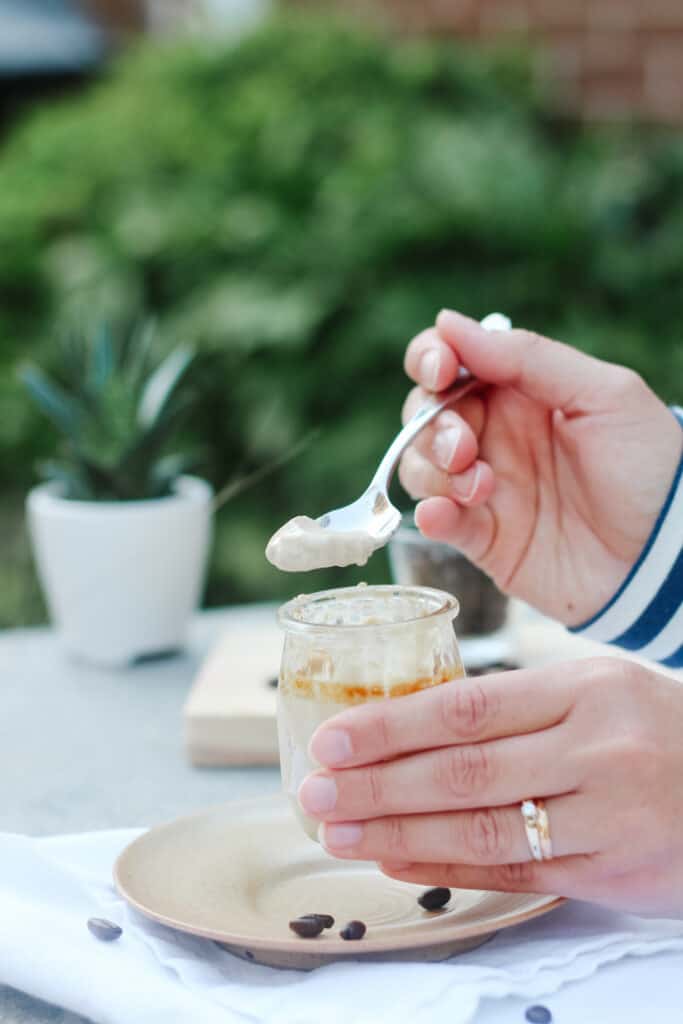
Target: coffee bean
[
  {"x": 105, "y": 931},
  {"x": 434, "y": 899},
  {"x": 538, "y": 1015},
  {"x": 326, "y": 920},
  {"x": 306, "y": 927},
  {"x": 352, "y": 931}
]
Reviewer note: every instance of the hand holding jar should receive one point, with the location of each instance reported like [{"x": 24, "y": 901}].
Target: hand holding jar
[{"x": 430, "y": 786}]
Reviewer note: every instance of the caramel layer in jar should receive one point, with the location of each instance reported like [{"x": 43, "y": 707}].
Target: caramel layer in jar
[{"x": 358, "y": 693}]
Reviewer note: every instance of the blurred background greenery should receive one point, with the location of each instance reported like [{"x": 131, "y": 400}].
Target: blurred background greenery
[{"x": 297, "y": 203}]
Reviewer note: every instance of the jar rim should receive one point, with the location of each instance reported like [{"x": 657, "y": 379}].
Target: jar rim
[{"x": 447, "y": 606}]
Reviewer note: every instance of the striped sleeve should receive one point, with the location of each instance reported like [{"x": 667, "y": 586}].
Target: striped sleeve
[{"x": 646, "y": 613}]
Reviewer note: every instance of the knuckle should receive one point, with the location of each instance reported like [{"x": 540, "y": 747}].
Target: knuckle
[
  {"x": 488, "y": 837},
  {"x": 595, "y": 670},
  {"x": 380, "y": 733},
  {"x": 619, "y": 761},
  {"x": 632, "y": 677},
  {"x": 375, "y": 787},
  {"x": 464, "y": 771},
  {"x": 466, "y": 709},
  {"x": 632, "y": 759},
  {"x": 632, "y": 692},
  {"x": 395, "y": 838},
  {"x": 635, "y": 751},
  {"x": 610, "y": 670},
  {"x": 520, "y": 876},
  {"x": 597, "y": 673}
]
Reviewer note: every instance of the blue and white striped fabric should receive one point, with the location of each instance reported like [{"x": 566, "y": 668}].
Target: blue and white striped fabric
[{"x": 646, "y": 613}]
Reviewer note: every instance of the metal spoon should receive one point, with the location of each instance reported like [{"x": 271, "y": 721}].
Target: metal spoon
[{"x": 373, "y": 513}]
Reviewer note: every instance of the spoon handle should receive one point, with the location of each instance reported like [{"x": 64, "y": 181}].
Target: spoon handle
[{"x": 465, "y": 385}]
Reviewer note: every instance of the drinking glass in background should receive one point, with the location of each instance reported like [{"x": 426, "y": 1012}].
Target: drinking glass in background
[
  {"x": 483, "y": 621},
  {"x": 352, "y": 645}
]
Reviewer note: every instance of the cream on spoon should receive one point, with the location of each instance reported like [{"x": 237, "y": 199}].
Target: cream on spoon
[{"x": 303, "y": 544}]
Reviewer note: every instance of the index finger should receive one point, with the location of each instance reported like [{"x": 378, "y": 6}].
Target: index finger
[
  {"x": 462, "y": 711},
  {"x": 431, "y": 361}
]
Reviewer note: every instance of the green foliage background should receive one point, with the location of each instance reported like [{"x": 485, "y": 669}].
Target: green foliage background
[{"x": 299, "y": 204}]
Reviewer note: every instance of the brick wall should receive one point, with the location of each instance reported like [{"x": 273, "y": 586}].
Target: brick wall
[
  {"x": 603, "y": 59},
  {"x": 118, "y": 16}
]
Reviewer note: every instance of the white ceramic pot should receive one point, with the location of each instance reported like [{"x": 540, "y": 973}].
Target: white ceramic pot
[{"x": 121, "y": 579}]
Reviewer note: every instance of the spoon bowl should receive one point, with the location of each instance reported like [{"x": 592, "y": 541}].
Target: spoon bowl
[{"x": 372, "y": 513}]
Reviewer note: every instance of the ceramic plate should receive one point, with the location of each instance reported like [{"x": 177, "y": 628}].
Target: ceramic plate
[{"x": 239, "y": 873}]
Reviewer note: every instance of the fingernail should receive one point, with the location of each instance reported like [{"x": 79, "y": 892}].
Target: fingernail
[
  {"x": 448, "y": 419},
  {"x": 340, "y": 837},
  {"x": 331, "y": 747},
  {"x": 428, "y": 370},
  {"x": 466, "y": 484},
  {"x": 317, "y": 794},
  {"x": 448, "y": 318},
  {"x": 445, "y": 445}
]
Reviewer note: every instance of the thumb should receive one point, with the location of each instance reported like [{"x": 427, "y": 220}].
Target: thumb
[{"x": 549, "y": 372}]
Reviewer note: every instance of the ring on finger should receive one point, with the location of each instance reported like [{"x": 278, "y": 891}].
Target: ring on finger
[{"x": 537, "y": 828}]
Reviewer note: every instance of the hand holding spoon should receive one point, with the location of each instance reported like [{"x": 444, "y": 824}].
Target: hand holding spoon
[{"x": 349, "y": 535}]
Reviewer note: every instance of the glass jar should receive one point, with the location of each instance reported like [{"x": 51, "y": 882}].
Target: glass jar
[{"x": 352, "y": 645}]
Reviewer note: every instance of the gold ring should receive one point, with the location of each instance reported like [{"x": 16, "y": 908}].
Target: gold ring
[{"x": 537, "y": 827}]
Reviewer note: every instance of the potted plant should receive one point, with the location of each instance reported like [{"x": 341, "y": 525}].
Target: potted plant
[{"x": 120, "y": 534}]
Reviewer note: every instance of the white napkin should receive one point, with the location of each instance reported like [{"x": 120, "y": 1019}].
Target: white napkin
[{"x": 49, "y": 888}]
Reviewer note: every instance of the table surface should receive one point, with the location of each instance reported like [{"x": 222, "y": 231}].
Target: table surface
[{"x": 83, "y": 748}]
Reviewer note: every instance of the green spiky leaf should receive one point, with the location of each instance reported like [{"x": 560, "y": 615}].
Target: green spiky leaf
[
  {"x": 73, "y": 482},
  {"x": 159, "y": 390},
  {"x": 103, "y": 358},
  {"x": 52, "y": 399},
  {"x": 140, "y": 353}
]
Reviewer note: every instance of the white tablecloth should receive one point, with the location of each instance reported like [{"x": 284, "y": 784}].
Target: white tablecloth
[{"x": 587, "y": 965}]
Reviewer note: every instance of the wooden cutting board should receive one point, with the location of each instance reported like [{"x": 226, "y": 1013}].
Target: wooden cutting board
[{"x": 230, "y": 713}]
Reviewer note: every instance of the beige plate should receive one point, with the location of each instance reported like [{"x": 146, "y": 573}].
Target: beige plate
[{"x": 239, "y": 873}]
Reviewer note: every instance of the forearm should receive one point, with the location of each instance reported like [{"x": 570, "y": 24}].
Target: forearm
[{"x": 646, "y": 613}]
